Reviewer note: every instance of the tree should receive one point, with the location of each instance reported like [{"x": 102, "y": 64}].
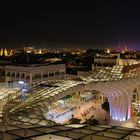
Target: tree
[
  {"x": 92, "y": 121},
  {"x": 105, "y": 106},
  {"x": 74, "y": 121}
]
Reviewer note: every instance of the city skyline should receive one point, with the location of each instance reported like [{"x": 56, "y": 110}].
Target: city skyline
[
  {"x": 70, "y": 70},
  {"x": 100, "y": 25}
]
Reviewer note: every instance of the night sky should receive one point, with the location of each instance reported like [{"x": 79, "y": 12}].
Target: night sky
[{"x": 100, "y": 24}]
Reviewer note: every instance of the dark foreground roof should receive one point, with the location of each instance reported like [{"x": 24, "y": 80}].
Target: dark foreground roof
[{"x": 68, "y": 132}]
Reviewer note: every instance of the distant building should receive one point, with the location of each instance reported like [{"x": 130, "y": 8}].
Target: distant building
[
  {"x": 107, "y": 61},
  {"x": 111, "y": 60},
  {"x": 5, "y": 52},
  {"x": 34, "y": 73}
]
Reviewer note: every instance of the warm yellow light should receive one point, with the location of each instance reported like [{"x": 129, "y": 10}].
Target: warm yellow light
[
  {"x": 5, "y": 52},
  {"x": 11, "y": 52},
  {"x": 1, "y": 52},
  {"x": 28, "y": 51},
  {"x": 108, "y": 51},
  {"x": 40, "y": 52}
]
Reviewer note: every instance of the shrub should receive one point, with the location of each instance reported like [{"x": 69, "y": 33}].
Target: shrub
[
  {"x": 74, "y": 121},
  {"x": 105, "y": 106},
  {"x": 92, "y": 121}
]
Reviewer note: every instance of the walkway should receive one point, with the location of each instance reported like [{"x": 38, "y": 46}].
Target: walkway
[{"x": 84, "y": 110}]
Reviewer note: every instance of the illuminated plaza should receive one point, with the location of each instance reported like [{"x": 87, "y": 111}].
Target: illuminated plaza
[
  {"x": 51, "y": 102},
  {"x": 36, "y": 100}
]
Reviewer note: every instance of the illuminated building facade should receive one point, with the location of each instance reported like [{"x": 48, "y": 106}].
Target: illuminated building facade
[
  {"x": 5, "y": 52},
  {"x": 34, "y": 73},
  {"x": 113, "y": 59}
]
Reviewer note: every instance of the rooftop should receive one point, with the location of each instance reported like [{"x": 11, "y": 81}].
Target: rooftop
[{"x": 69, "y": 132}]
